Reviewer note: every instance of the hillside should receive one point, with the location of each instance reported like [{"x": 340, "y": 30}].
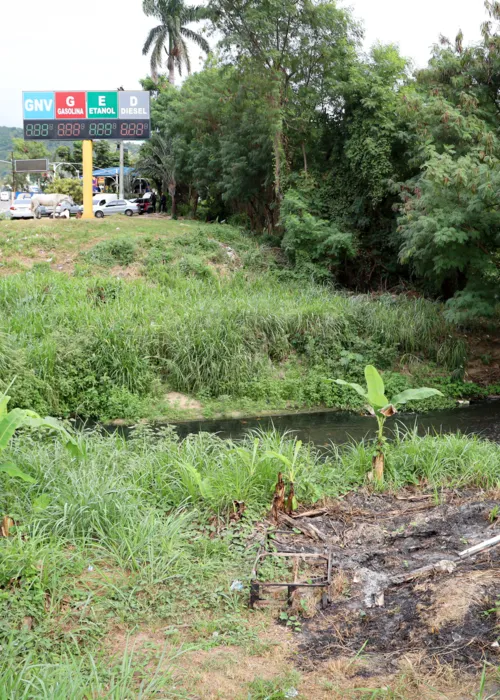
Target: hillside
[{"x": 164, "y": 318}]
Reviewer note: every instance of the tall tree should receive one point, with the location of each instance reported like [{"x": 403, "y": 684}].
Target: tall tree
[
  {"x": 170, "y": 35},
  {"x": 290, "y": 43},
  {"x": 450, "y": 217}
]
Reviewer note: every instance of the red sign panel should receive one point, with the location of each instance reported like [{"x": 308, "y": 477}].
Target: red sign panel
[{"x": 71, "y": 105}]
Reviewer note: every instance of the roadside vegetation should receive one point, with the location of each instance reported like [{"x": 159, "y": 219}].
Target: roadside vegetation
[
  {"x": 343, "y": 215},
  {"x": 155, "y": 318},
  {"x": 116, "y": 579}
]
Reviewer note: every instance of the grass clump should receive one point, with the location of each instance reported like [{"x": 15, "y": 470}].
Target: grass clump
[{"x": 120, "y": 251}]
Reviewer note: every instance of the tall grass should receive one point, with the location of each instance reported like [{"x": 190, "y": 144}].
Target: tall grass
[
  {"x": 160, "y": 481},
  {"x": 138, "y": 515},
  {"x": 87, "y": 346},
  {"x": 81, "y": 678},
  {"x": 136, "y": 504}
]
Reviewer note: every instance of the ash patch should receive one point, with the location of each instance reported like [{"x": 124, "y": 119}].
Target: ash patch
[{"x": 451, "y": 616}]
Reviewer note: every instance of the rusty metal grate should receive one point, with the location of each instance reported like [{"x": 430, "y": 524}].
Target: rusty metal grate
[{"x": 316, "y": 582}]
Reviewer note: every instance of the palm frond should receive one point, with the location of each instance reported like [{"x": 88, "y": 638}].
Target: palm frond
[
  {"x": 194, "y": 14},
  {"x": 152, "y": 36},
  {"x": 156, "y": 54},
  {"x": 156, "y": 160},
  {"x": 185, "y": 56},
  {"x": 196, "y": 38},
  {"x": 172, "y": 32}
]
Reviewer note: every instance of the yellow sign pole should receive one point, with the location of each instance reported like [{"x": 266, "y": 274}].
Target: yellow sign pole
[{"x": 88, "y": 212}]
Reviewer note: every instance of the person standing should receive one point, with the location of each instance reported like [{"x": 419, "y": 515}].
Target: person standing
[
  {"x": 153, "y": 202},
  {"x": 163, "y": 204}
]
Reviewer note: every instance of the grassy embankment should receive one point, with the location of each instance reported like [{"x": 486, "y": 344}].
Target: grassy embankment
[
  {"x": 117, "y": 583},
  {"x": 158, "y": 319}
]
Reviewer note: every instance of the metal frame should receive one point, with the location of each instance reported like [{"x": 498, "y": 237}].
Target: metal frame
[{"x": 256, "y": 585}]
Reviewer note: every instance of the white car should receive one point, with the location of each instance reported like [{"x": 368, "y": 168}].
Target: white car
[
  {"x": 21, "y": 209},
  {"x": 101, "y": 199},
  {"x": 118, "y": 206},
  {"x": 4, "y": 196}
]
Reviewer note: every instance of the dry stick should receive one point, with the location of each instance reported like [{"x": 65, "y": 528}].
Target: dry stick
[
  {"x": 321, "y": 536},
  {"x": 414, "y": 498},
  {"x": 479, "y": 547},
  {"x": 309, "y": 513},
  {"x": 444, "y": 566},
  {"x": 305, "y": 528}
]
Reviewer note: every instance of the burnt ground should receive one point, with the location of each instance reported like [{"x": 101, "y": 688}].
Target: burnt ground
[{"x": 449, "y": 617}]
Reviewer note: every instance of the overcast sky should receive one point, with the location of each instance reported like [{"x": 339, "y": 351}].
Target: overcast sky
[{"x": 96, "y": 46}]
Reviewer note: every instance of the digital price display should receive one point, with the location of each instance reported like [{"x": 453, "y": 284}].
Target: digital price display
[
  {"x": 83, "y": 129},
  {"x": 82, "y": 116}
]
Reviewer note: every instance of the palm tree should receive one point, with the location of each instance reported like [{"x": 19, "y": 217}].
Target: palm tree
[
  {"x": 156, "y": 161},
  {"x": 171, "y": 34}
]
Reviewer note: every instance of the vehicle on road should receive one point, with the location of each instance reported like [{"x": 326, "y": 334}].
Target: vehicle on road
[
  {"x": 100, "y": 200},
  {"x": 4, "y": 196},
  {"x": 118, "y": 206},
  {"x": 21, "y": 209},
  {"x": 144, "y": 203},
  {"x": 74, "y": 210}
]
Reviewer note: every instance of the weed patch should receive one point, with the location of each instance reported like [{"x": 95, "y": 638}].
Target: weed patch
[{"x": 114, "y": 252}]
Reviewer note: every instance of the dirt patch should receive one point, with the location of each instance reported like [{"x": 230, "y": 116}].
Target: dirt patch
[
  {"x": 140, "y": 642},
  {"x": 224, "y": 673},
  {"x": 377, "y": 616},
  {"x": 178, "y": 400},
  {"x": 484, "y": 363}
]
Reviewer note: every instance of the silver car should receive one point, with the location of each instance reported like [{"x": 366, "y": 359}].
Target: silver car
[
  {"x": 117, "y": 206},
  {"x": 21, "y": 209}
]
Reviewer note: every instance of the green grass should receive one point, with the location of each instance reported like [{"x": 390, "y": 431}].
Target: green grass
[
  {"x": 145, "y": 307},
  {"x": 135, "y": 536}
]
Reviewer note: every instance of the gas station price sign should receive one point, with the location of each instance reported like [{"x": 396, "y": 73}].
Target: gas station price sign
[{"x": 81, "y": 116}]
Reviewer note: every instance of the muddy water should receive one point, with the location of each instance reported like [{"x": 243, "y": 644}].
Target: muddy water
[{"x": 322, "y": 428}]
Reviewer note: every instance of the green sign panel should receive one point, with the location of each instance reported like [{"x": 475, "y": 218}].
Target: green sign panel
[{"x": 102, "y": 105}]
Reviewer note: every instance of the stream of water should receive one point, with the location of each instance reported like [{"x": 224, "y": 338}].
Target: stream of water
[{"x": 322, "y": 428}]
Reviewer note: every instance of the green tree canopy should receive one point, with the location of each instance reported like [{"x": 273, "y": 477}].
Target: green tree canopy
[{"x": 450, "y": 219}]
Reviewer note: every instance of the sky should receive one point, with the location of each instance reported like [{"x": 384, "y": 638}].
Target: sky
[{"x": 45, "y": 46}]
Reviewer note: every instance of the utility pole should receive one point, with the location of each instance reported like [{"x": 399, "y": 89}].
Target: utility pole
[
  {"x": 13, "y": 193},
  {"x": 121, "y": 183},
  {"x": 121, "y": 171}
]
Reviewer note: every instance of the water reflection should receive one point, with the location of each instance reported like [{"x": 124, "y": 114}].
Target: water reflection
[{"x": 321, "y": 428}]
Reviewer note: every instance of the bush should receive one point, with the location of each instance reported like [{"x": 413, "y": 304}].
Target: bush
[
  {"x": 313, "y": 244},
  {"x": 73, "y": 188},
  {"x": 119, "y": 251}
]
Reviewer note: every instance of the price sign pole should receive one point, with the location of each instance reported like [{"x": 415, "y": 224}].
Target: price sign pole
[
  {"x": 119, "y": 115},
  {"x": 88, "y": 212}
]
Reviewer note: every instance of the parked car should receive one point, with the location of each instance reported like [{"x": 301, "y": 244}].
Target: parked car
[
  {"x": 74, "y": 210},
  {"x": 144, "y": 203},
  {"x": 4, "y": 196},
  {"x": 21, "y": 209},
  {"x": 101, "y": 199},
  {"x": 118, "y": 206}
]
